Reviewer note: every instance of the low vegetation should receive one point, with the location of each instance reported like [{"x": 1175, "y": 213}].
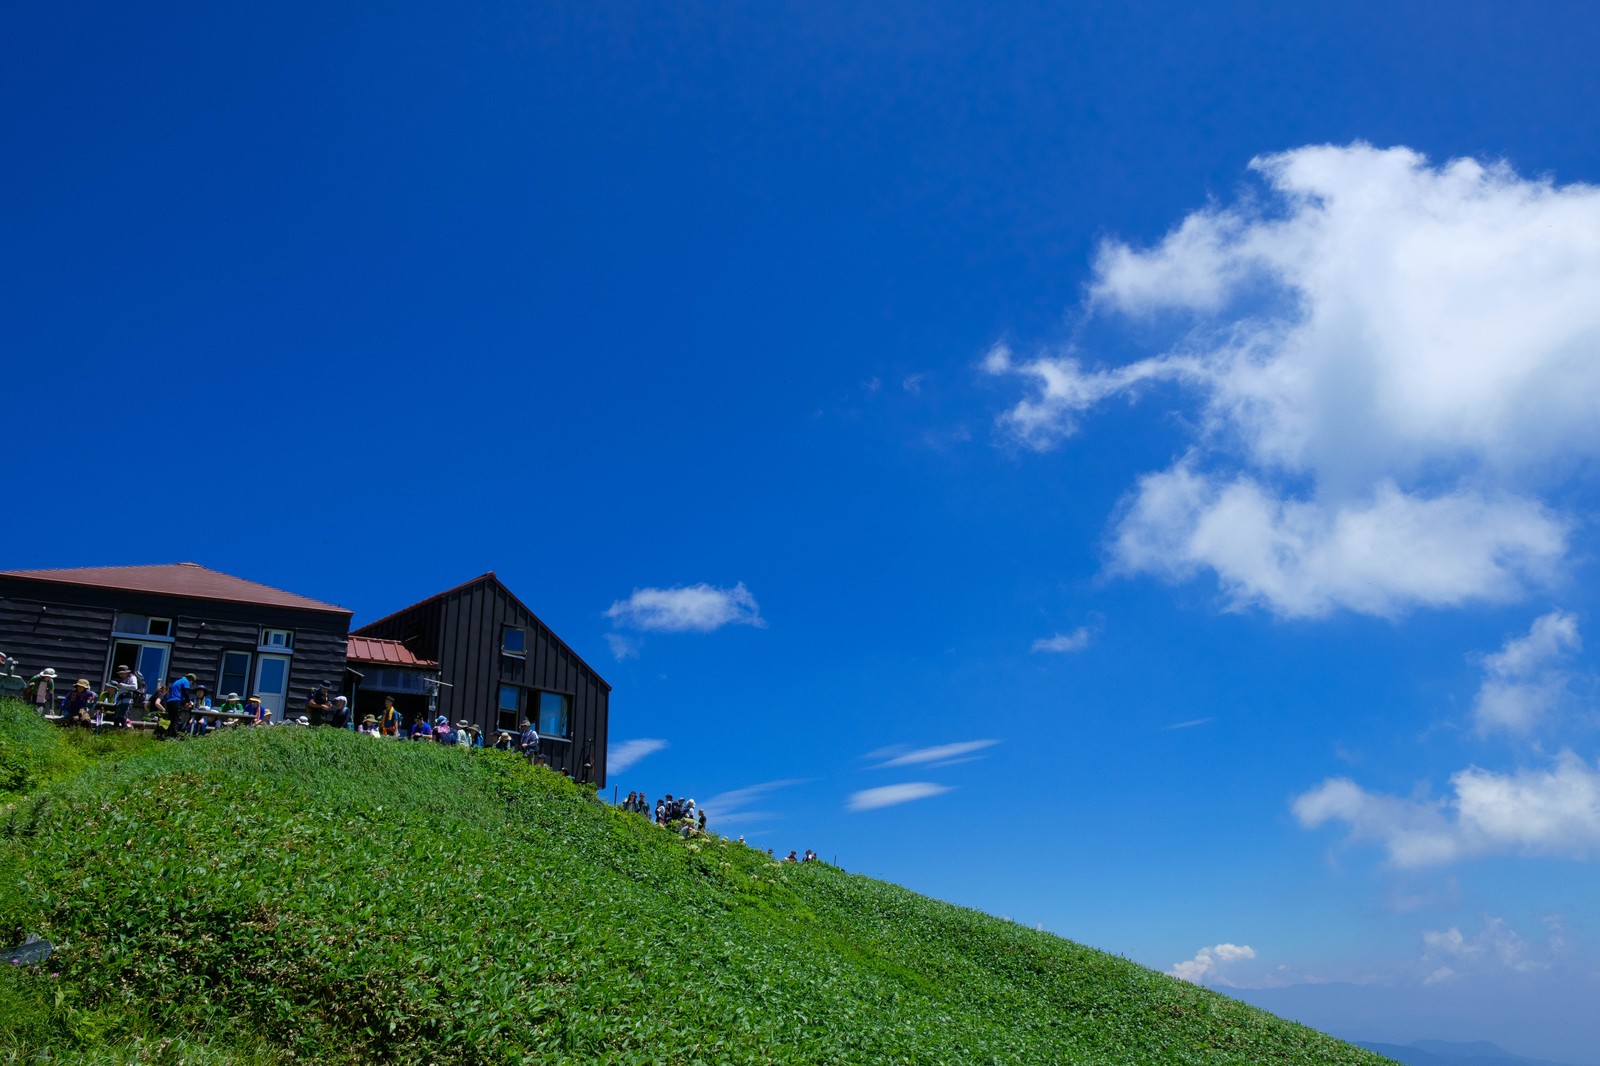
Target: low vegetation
[{"x": 290, "y": 895}]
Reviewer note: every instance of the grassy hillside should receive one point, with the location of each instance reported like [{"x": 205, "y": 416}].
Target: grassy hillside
[{"x": 295, "y": 894}]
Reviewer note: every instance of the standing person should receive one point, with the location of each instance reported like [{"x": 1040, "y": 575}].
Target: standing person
[
  {"x": 529, "y": 744},
  {"x": 43, "y": 685},
  {"x": 318, "y": 705},
  {"x": 124, "y": 689},
  {"x": 389, "y": 720}
]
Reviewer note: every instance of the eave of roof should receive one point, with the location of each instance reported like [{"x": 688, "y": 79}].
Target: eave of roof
[
  {"x": 490, "y": 576},
  {"x": 182, "y": 580},
  {"x": 385, "y": 653}
]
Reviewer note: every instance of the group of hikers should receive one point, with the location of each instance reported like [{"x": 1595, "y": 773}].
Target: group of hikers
[
  {"x": 676, "y": 813},
  {"x": 184, "y": 707}
]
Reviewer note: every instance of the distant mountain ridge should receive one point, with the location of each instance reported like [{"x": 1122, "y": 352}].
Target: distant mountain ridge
[{"x": 1452, "y": 1053}]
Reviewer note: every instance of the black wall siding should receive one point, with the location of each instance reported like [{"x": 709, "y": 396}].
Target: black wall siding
[
  {"x": 73, "y": 633},
  {"x": 461, "y": 629}
]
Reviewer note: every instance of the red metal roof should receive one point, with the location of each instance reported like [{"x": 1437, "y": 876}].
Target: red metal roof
[
  {"x": 189, "y": 580},
  {"x": 386, "y": 652}
]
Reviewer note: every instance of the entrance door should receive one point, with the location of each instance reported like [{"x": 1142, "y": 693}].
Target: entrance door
[{"x": 272, "y": 682}]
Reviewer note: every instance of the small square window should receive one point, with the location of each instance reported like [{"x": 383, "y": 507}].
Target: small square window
[
  {"x": 161, "y": 627},
  {"x": 278, "y": 639},
  {"x": 514, "y": 642}
]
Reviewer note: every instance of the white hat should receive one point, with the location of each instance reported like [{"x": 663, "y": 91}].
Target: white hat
[
  {"x": 302, "y": 720},
  {"x": 340, "y": 699},
  {"x": 48, "y": 672}
]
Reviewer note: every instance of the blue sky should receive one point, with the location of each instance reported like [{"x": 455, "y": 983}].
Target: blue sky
[{"x": 1127, "y": 468}]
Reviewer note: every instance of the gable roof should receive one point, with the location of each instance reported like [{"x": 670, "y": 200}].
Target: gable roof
[
  {"x": 490, "y": 577},
  {"x": 386, "y": 653},
  {"x": 187, "y": 580}
]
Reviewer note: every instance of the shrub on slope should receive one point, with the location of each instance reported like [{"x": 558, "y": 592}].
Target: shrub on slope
[{"x": 344, "y": 899}]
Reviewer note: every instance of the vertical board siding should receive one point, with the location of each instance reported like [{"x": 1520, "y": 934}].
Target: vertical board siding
[{"x": 460, "y": 629}]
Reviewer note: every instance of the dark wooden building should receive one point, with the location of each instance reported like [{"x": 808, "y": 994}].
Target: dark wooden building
[
  {"x": 499, "y": 664},
  {"x": 163, "y": 621},
  {"x": 378, "y": 669}
]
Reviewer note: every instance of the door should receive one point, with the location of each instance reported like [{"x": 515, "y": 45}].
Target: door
[{"x": 272, "y": 682}]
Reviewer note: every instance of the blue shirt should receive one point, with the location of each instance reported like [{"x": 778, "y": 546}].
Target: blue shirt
[{"x": 178, "y": 691}]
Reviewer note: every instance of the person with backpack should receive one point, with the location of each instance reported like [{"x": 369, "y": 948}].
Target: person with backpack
[
  {"x": 42, "y": 690},
  {"x": 389, "y": 720}
]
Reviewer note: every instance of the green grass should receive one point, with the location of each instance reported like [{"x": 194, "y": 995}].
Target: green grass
[{"x": 294, "y": 895}]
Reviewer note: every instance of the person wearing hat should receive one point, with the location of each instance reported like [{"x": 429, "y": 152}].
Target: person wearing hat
[
  {"x": 528, "y": 743},
  {"x": 124, "y": 689},
  {"x": 43, "y": 687},
  {"x": 441, "y": 731},
  {"x": 318, "y": 705},
  {"x": 232, "y": 704},
  {"x": 339, "y": 717},
  {"x": 462, "y": 737},
  {"x": 302, "y": 720},
  {"x": 253, "y": 706},
  {"x": 503, "y": 742},
  {"x": 79, "y": 700},
  {"x": 389, "y": 722},
  {"x": 369, "y": 726}
]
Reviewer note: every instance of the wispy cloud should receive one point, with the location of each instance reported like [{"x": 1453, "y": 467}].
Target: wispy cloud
[
  {"x": 870, "y": 799},
  {"x": 623, "y": 757},
  {"x": 938, "y": 755},
  {"x": 1077, "y": 640},
  {"x": 623, "y": 646},
  {"x": 735, "y": 805},
  {"x": 1190, "y": 724},
  {"x": 687, "y": 609}
]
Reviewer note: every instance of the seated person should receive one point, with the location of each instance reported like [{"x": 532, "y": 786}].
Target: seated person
[
  {"x": 79, "y": 700},
  {"x": 232, "y": 704},
  {"x": 202, "y": 702},
  {"x": 420, "y": 729},
  {"x": 369, "y": 726},
  {"x": 503, "y": 741},
  {"x": 441, "y": 730},
  {"x": 339, "y": 718},
  {"x": 254, "y": 707}
]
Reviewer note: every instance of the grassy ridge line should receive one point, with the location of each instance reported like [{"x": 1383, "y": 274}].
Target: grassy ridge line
[{"x": 322, "y": 895}]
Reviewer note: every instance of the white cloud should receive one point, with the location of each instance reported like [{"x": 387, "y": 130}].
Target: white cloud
[
  {"x": 1495, "y": 946},
  {"x": 623, "y": 646},
  {"x": 869, "y": 799},
  {"x": 687, "y": 609},
  {"x": 938, "y": 755},
  {"x": 734, "y": 806},
  {"x": 1208, "y": 963},
  {"x": 626, "y": 755},
  {"x": 1394, "y": 360},
  {"x": 1553, "y": 811},
  {"x": 1077, "y": 640},
  {"x": 1524, "y": 681},
  {"x": 1190, "y": 724}
]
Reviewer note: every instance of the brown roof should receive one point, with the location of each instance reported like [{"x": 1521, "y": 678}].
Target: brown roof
[
  {"x": 189, "y": 580},
  {"x": 386, "y": 652}
]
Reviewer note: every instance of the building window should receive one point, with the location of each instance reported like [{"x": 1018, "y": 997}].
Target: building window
[
  {"x": 149, "y": 661},
  {"x": 279, "y": 640},
  {"x": 510, "y": 716},
  {"x": 233, "y": 674},
  {"x": 141, "y": 625},
  {"x": 514, "y": 642},
  {"x": 553, "y": 715}
]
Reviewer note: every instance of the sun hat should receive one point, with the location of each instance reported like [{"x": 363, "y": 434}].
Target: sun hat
[
  {"x": 253, "y": 699},
  {"x": 369, "y": 718},
  {"x": 441, "y": 720},
  {"x": 461, "y": 724},
  {"x": 231, "y": 697},
  {"x": 49, "y": 672},
  {"x": 82, "y": 683},
  {"x": 302, "y": 720}
]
